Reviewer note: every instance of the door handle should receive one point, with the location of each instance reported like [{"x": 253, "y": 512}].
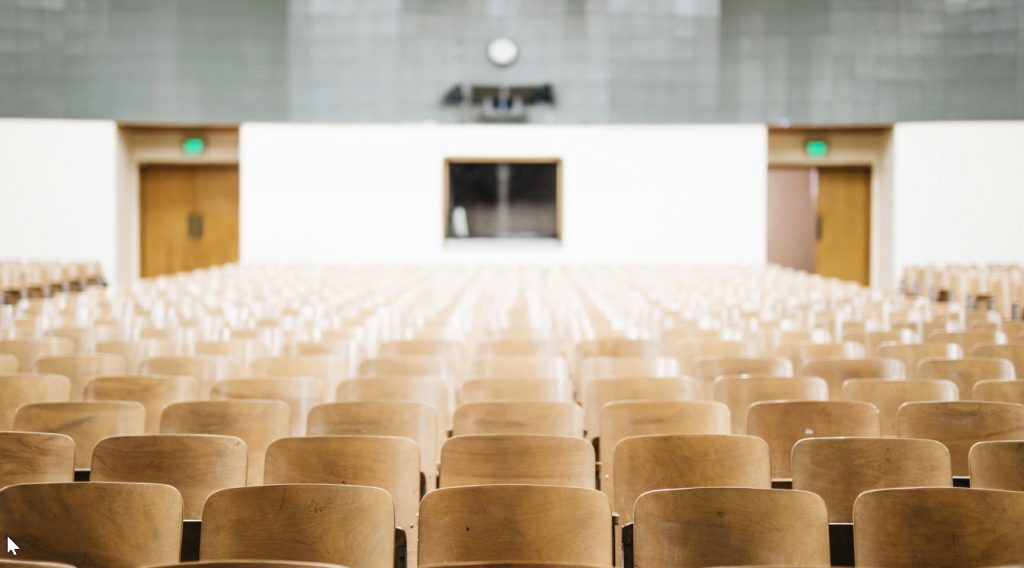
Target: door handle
[{"x": 195, "y": 226}]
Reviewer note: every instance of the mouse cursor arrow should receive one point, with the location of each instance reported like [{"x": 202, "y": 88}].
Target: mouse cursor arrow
[{"x": 11, "y": 547}]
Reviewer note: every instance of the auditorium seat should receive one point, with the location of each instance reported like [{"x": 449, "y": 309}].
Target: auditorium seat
[
  {"x": 154, "y": 392},
  {"x": 407, "y": 366},
  {"x": 966, "y": 372},
  {"x": 32, "y": 564},
  {"x": 28, "y": 351},
  {"x": 707, "y": 369},
  {"x": 526, "y": 348},
  {"x": 501, "y": 459},
  {"x": 723, "y": 526},
  {"x": 8, "y": 364},
  {"x": 959, "y": 425},
  {"x": 329, "y": 370},
  {"x": 85, "y": 422},
  {"x": 518, "y": 417},
  {"x": 350, "y": 525},
  {"x": 997, "y": 465},
  {"x": 887, "y": 395},
  {"x": 517, "y": 367},
  {"x": 1001, "y": 390},
  {"x": 299, "y": 393},
  {"x": 25, "y": 388},
  {"x": 782, "y": 424},
  {"x": 80, "y": 369},
  {"x": 940, "y": 527},
  {"x": 257, "y": 422},
  {"x": 250, "y": 564},
  {"x": 872, "y": 339},
  {"x": 551, "y": 390},
  {"x": 35, "y": 457},
  {"x": 1014, "y": 352},
  {"x": 205, "y": 369},
  {"x": 913, "y": 353},
  {"x": 802, "y": 352},
  {"x": 94, "y": 525},
  {"x": 740, "y": 393},
  {"x": 603, "y": 391},
  {"x": 686, "y": 351},
  {"x": 840, "y": 469},
  {"x": 134, "y": 351},
  {"x": 968, "y": 340},
  {"x": 84, "y": 337},
  {"x": 836, "y": 371},
  {"x": 604, "y": 367},
  {"x": 515, "y": 524}
]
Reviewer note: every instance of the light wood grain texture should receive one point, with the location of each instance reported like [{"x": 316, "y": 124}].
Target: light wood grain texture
[
  {"x": 205, "y": 369},
  {"x": 997, "y": 465},
  {"x": 85, "y": 422},
  {"x": 959, "y": 425},
  {"x": 257, "y": 422},
  {"x": 330, "y": 370},
  {"x": 782, "y": 424},
  {"x": 250, "y": 564},
  {"x": 134, "y": 351},
  {"x": 617, "y": 347},
  {"x": 515, "y": 523},
  {"x": 300, "y": 394},
  {"x": 740, "y": 393},
  {"x": 94, "y": 525},
  {"x": 913, "y": 353},
  {"x": 727, "y": 526},
  {"x": 35, "y": 457},
  {"x": 802, "y": 352},
  {"x": 966, "y": 372},
  {"x": 452, "y": 350},
  {"x": 688, "y": 350},
  {"x": 1005, "y": 390},
  {"x": 872, "y": 339},
  {"x": 836, "y": 371},
  {"x": 647, "y": 463},
  {"x": 534, "y": 348},
  {"x": 155, "y": 392},
  {"x": 518, "y": 417},
  {"x": 707, "y": 369},
  {"x": 194, "y": 464},
  {"x": 407, "y": 366},
  {"x": 940, "y": 527},
  {"x": 593, "y": 368},
  {"x": 1014, "y": 352},
  {"x": 888, "y": 395},
  {"x": 840, "y": 469},
  {"x": 550, "y": 390},
  {"x": 32, "y": 564},
  {"x": 80, "y": 369},
  {"x": 498, "y": 459},
  {"x": 28, "y": 351},
  {"x": 8, "y": 364},
  {"x": 414, "y": 389},
  {"x": 518, "y": 367},
  {"x": 26, "y": 388},
  {"x": 603, "y": 391},
  {"x": 967, "y": 340},
  {"x": 343, "y": 524}
]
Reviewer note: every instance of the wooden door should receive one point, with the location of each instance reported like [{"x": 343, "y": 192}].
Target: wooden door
[
  {"x": 189, "y": 217},
  {"x": 843, "y": 243}
]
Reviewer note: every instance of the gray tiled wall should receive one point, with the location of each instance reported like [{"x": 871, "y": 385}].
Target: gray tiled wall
[{"x": 643, "y": 61}]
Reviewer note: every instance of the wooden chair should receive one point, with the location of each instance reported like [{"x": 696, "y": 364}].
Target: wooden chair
[
  {"x": 518, "y": 417},
  {"x": 8, "y": 364},
  {"x": 707, "y": 369},
  {"x": 836, "y": 371},
  {"x": 804, "y": 351},
  {"x": 416, "y": 389},
  {"x": 603, "y": 391},
  {"x": 518, "y": 367},
  {"x": 593, "y": 368},
  {"x": 407, "y": 366},
  {"x": 686, "y": 351},
  {"x": 515, "y": 524},
  {"x": 135, "y": 351},
  {"x": 913, "y": 353},
  {"x": 84, "y": 337},
  {"x": 997, "y": 465},
  {"x": 516, "y": 389},
  {"x": 887, "y": 395},
  {"x": 94, "y": 525},
  {"x": 782, "y": 424},
  {"x": 194, "y": 464},
  {"x": 32, "y": 564},
  {"x": 966, "y": 372},
  {"x": 205, "y": 369},
  {"x": 257, "y": 422},
  {"x": 85, "y": 422},
  {"x": 329, "y": 370},
  {"x": 28, "y": 351},
  {"x": 715, "y": 526},
  {"x": 413, "y": 420},
  {"x": 1014, "y": 352},
  {"x": 154, "y": 392},
  {"x": 19, "y": 389},
  {"x": 532, "y": 348},
  {"x": 968, "y": 340},
  {"x": 1003, "y": 390},
  {"x": 342, "y": 524},
  {"x": 249, "y": 564},
  {"x": 740, "y": 393},
  {"x": 35, "y": 457},
  {"x": 647, "y": 463},
  {"x": 388, "y": 462},
  {"x": 80, "y": 369},
  {"x": 527, "y": 459},
  {"x": 300, "y": 394},
  {"x": 872, "y": 339},
  {"x": 959, "y": 425},
  {"x": 840, "y": 469},
  {"x": 616, "y": 347},
  {"x": 446, "y": 349},
  {"x": 940, "y": 527}
]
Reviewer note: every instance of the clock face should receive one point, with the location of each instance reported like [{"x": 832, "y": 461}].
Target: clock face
[{"x": 502, "y": 51}]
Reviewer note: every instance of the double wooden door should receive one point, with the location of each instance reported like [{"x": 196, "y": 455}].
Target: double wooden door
[{"x": 189, "y": 217}]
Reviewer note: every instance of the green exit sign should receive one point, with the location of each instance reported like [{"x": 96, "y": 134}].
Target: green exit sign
[
  {"x": 193, "y": 146},
  {"x": 816, "y": 148}
]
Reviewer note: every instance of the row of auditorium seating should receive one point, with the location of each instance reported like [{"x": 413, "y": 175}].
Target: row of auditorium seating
[
  {"x": 999, "y": 287},
  {"x": 43, "y": 279}
]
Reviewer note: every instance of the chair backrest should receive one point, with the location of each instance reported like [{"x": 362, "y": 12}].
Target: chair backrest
[
  {"x": 840, "y": 469},
  {"x": 351, "y": 525},
  {"x": 446, "y": 349},
  {"x": 94, "y": 525},
  {"x": 26, "y": 388},
  {"x": 27, "y": 351},
  {"x": 194, "y": 464},
  {"x": 603, "y": 391},
  {"x": 836, "y": 371},
  {"x": 740, "y": 393},
  {"x": 872, "y": 339},
  {"x": 959, "y": 425},
  {"x": 1000, "y": 390},
  {"x": 888, "y": 395},
  {"x": 205, "y": 369},
  {"x": 515, "y": 523},
  {"x": 85, "y": 422},
  {"x": 913, "y": 353},
  {"x": 647, "y": 463},
  {"x": 782, "y": 424},
  {"x": 518, "y": 348},
  {"x": 997, "y": 465},
  {"x": 415, "y": 389},
  {"x": 707, "y": 369},
  {"x": 248, "y": 564},
  {"x": 941, "y": 527},
  {"x": 501, "y": 459},
  {"x": 257, "y": 422},
  {"x": 8, "y": 364},
  {"x": 299, "y": 393},
  {"x": 80, "y": 369},
  {"x": 518, "y": 367},
  {"x": 407, "y": 366},
  {"x": 35, "y": 457},
  {"x": 516, "y": 389},
  {"x": 134, "y": 351},
  {"x": 605, "y": 367},
  {"x": 686, "y": 351},
  {"x": 1014, "y": 352},
  {"x": 716, "y": 526},
  {"x": 32, "y": 564},
  {"x": 617, "y": 347},
  {"x": 155, "y": 392},
  {"x": 966, "y": 372},
  {"x": 330, "y": 370},
  {"x": 518, "y": 417},
  {"x": 968, "y": 340}
]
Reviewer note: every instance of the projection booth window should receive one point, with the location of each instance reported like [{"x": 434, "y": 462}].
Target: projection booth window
[{"x": 502, "y": 199}]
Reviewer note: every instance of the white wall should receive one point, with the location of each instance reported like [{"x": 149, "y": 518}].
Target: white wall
[
  {"x": 958, "y": 193},
  {"x": 342, "y": 192},
  {"x": 58, "y": 190}
]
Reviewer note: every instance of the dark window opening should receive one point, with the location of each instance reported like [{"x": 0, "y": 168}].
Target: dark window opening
[{"x": 502, "y": 200}]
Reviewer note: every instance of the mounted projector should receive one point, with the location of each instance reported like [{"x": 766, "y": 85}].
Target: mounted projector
[{"x": 500, "y": 103}]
